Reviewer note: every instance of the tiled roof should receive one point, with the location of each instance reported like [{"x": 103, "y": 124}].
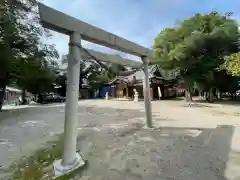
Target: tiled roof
[
  {"x": 12, "y": 89},
  {"x": 127, "y": 73},
  {"x": 139, "y": 74}
]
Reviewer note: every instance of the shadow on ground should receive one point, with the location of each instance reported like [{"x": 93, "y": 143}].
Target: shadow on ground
[
  {"x": 165, "y": 153},
  {"x": 116, "y": 146},
  {"x": 6, "y": 114},
  {"x": 222, "y": 102},
  {"x": 134, "y": 153},
  {"x": 196, "y": 105}
]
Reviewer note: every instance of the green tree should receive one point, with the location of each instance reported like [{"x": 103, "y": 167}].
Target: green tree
[
  {"x": 197, "y": 48},
  {"x": 20, "y": 45},
  {"x": 85, "y": 68},
  {"x": 232, "y": 64},
  {"x": 97, "y": 80}
]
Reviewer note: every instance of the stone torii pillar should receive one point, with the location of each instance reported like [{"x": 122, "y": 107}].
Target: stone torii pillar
[
  {"x": 146, "y": 93},
  {"x": 71, "y": 160}
]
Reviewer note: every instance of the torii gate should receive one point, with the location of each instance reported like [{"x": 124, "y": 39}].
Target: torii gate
[{"x": 77, "y": 30}]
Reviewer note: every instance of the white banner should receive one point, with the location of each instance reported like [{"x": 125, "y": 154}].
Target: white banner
[{"x": 159, "y": 93}]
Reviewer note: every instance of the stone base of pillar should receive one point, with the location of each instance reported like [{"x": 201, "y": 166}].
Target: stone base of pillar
[{"x": 60, "y": 170}]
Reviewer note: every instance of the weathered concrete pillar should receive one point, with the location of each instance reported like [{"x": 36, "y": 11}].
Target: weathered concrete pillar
[
  {"x": 146, "y": 91},
  {"x": 71, "y": 160}
]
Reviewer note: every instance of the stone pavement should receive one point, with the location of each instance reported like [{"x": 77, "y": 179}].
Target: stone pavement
[{"x": 199, "y": 142}]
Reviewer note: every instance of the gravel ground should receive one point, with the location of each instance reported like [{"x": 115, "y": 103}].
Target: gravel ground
[{"x": 198, "y": 142}]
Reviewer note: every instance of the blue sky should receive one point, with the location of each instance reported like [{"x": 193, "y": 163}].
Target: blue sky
[{"x": 136, "y": 20}]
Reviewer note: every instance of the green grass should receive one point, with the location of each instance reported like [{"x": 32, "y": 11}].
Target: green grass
[{"x": 39, "y": 165}]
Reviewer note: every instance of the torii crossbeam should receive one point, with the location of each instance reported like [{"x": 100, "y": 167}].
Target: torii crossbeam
[
  {"x": 62, "y": 23},
  {"x": 77, "y": 30},
  {"x": 111, "y": 58}
]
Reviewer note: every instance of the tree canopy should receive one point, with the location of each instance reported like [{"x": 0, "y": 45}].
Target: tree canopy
[
  {"x": 198, "y": 47},
  {"x": 25, "y": 60},
  {"x": 232, "y": 64}
]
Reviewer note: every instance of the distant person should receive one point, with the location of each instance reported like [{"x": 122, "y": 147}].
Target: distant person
[{"x": 19, "y": 100}]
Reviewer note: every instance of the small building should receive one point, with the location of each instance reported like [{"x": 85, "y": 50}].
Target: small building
[
  {"x": 162, "y": 83},
  {"x": 11, "y": 95}
]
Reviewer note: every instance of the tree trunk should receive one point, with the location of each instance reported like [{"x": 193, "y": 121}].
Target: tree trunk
[
  {"x": 201, "y": 95},
  {"x": 219, "y": 95},
  {"x": 2, "y": 93},
  {"x": 24, "y": 100},
  {"x": 234, "y": 96},
  {"x": 35, "y": 98},
  {"x": 210, "y": 96},
  {"x": 207, "y": 96},
  {"x": 188, "y": 94},
  {"x": 204, "y": 95}
]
